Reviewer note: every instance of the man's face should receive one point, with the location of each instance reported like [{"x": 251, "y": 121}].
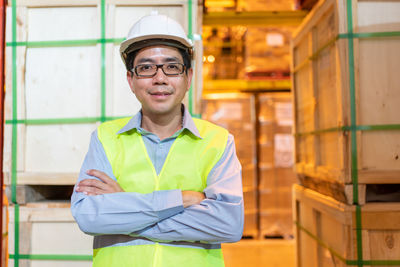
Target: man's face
[{"x": 160, "y": 94}]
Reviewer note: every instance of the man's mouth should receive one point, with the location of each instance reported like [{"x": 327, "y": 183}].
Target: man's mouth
[{"x": 160, "y": 93}]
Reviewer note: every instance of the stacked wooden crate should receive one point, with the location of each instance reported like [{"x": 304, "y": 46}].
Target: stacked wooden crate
[
  {"x": 346, "y": 94},
  {"x": 328, "y": 233},
  {"x": 65, "y": 76},
  {"x": 236, "y": 113},
  {"x": 275, "y": 164},
  {"x": 267, "y": 52}
]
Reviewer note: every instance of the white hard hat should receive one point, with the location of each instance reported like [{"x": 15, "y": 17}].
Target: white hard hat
[{"x": 155, "y": 29}]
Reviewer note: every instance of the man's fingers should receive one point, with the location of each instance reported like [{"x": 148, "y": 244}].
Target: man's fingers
[
  {"x": 102, "y": 185},
  {"x": 89, "y": 190},
  {"x": 192, "y": 198},
  {"x": 92, "y": 183},
  {"x": 99, "y": 174}
]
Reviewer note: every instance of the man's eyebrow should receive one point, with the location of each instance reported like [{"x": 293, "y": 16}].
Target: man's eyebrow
[
  {"x": 171, "y": 59},
  {"x": 145, "y": 60},
  {"x": 149, "y": 60}
]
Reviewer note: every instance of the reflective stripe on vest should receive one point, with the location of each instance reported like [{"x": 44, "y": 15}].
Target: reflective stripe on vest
[{"x": 186, "y": 167}]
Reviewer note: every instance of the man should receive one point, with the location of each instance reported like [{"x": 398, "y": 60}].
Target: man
[{"x": 161, "y": 188}]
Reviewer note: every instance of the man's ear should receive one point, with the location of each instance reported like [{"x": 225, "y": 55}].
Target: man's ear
[
  {"x": 189, "y": 78},
  {"x": 130, "y": 77}
]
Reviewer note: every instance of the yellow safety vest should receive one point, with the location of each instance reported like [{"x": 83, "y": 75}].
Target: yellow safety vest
[{"x": 186, "y": 167}]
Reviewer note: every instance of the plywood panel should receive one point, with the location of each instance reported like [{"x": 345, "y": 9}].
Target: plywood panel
[
  {"x": 66, "y": 84},
  {"x": 72, "y": 140},
  {"x": 63, "y": 23}
]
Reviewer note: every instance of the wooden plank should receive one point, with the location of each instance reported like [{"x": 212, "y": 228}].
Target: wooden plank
[
  {"x": 336, "y": 190},
  {"x": 41, "y": 178}
]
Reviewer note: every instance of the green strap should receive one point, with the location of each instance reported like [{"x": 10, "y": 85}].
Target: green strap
[
  {"x": 190, "y": 36},
  {"x": 62, "y": 120},
  {"x": 353, "y": 132},
  {"x": 14, "y": 135},
  {"x": 353, "y": 128},
  {"x": 16, "y": 235},
  {"x": 103, "y": 62},
  {"x": 340, "y": 257},
  {"x": 65, "y": 43},
  {"x": 61, "y": 257},
  {"x": 362, "y": 35}
]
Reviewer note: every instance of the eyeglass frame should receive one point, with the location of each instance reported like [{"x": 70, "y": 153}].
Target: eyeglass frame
[{"x": 158, "y": 66}]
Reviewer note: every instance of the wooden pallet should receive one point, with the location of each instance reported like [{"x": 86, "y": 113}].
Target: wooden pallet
[{"x": 326, "y": 234}]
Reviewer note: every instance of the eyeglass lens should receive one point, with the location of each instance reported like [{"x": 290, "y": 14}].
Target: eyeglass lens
[{"x": 149, "y": 70}]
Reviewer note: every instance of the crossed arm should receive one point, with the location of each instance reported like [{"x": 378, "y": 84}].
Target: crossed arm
[
  {"x": 105, "y": 185},
  {"x": 215, "y": 215}
]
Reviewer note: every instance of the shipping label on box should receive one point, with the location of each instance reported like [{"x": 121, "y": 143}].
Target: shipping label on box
[
  {"x": 283, "y": 152},
  {"x": 283, "y": 113},
  {"x": 233, "y": 111}
]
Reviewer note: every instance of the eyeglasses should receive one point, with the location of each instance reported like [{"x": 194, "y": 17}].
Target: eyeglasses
[{"x": 150, "y": 70}]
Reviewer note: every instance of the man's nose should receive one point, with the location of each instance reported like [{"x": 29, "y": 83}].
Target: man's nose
[{"x": 160, "y": 77}]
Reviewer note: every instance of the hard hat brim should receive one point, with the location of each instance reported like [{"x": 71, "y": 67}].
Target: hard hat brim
[{"x": 125, "y": 44}]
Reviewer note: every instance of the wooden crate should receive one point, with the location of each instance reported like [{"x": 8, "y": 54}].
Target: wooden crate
[
  {"x": 276, "y": 177},
  {"x": 321, "y": 85},
  {"x": 326, "y": 235},
  {"x": 280, "y": 198},
  {"x": 249, "y": 176},
  {"x": 250, "y": 228},
  {"x": 235, "y": 112},
  {"x": 275, "y": 140},
  {"x": 60, "y": 81},
  {"x": 276, "y": 222},
  {"x": 267, "y": 51},
  {"x": 250, "y": 197},
  {"x": 48, "y": 228},
  {"x": 275, "y": 168}
]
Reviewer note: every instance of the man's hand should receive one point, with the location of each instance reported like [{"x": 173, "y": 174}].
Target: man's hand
[
  {"x": 93, "y": 187},
  {"x": 190, "y": 198}
]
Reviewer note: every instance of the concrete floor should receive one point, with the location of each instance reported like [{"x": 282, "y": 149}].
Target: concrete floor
[{"x": 260, "y": 253}]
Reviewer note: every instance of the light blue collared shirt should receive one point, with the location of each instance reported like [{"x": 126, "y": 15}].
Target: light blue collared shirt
[{"x": 160, "y": 216}]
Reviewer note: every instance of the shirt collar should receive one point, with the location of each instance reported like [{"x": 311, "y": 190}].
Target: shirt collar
[{"x": 187, "y": 123}]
